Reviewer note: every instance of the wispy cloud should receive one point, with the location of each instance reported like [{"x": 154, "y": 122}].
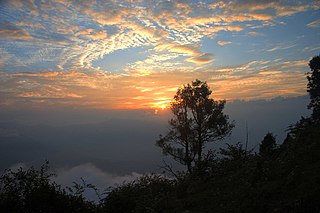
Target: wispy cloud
[
  {"x": 184, "y": 49},
  {"x": 252, "y": 33},
  {"x": 314, "y": 23},
  {"x": 202, "y": 59},
  {"x": 8, "y": 31},
  {"x": 276, "y": 7},
  {"x": 310, "y": 49},
  {"x": 129, "y": 25},
  {"x": 222, "y": 43},
  {"x": 187, "y": 50},
  {"x": 253, "y": 80},
  {"x": 281, "y": 47},
  {"x": 49, "y": 50}
]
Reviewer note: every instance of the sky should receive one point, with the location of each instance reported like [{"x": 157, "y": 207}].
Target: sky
[
  {"x": 87, "y": 84},
  {"x": 135, "y": 54}
]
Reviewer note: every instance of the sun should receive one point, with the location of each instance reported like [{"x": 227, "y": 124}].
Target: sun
[
  {"x": 160, "y": 108},
  {"x": 163, "y": 107},
  {"x": 161, "y": 104}
]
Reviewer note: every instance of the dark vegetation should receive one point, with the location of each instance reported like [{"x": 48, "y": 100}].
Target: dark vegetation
[{"x": 279, "y": 178}]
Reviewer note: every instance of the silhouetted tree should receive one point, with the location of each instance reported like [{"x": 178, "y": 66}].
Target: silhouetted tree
[
  {"x": 314, "y": 88},
  {"x": 149, "y": 193},
  {"x": 32, "y": 190},
  {"x": 234, "y": 152},
  {"x": 301, "y": 127},
  {"x": 268, "y": 145},
  {"x": 197, "y": 120}
]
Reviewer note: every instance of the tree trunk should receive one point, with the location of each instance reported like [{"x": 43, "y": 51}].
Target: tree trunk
[{"x": 187, "y": 155}]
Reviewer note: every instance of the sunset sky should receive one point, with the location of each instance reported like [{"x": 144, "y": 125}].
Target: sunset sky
[
  {"x": 135, "y": 54},
  {"x": 83, "y": 83}
]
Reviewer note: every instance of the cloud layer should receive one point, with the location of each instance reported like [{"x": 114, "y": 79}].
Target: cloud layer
[
  {"x": 253, "y": 80},
  {"x": 62, "y": 51}
]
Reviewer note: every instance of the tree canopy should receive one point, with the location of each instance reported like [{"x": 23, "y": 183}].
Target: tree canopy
[
  {"x": 197, "y": 120},
  {"x": 267, "y": 145},
  {"x": 314, "y": 88}
]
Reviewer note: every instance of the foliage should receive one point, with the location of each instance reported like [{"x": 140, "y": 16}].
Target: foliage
[
  {"x": 314, "y": 88},
  {"x": 238, "y": 181},
  {"x": 149, "y": 193},
  {"x": 30, "y": 190},
  {"x": 197, "y": 120},
  {"x": 268, "y": 145}
]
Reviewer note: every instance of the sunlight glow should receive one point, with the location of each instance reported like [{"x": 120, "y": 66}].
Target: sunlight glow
[
  {"x": 163, "y": 107},
  {"x": 160, "y": 108},
  {"x": 161, "y": 103}
]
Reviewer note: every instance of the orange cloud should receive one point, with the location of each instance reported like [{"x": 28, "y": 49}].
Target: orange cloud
[
  {"x": 202, "y": 59},
  {"x": 29, "y": 74},
  {"x": 267, "y": 79},
  {"x": 246, "y": 17},
  {"x": 170, "y": 30},
  {"x": 15, "y": 34},
  {"x": 289, "y": 10},
  {"x": 260, "y": 17},
  {"x": 185, "y": 49},
  {"x": 222, "y": 43},
  {"x": 198, "y": 57},
  {"x": 95, "y": 35}
]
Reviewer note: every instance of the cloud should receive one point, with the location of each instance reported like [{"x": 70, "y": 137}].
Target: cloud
[
  {"x": 272, "y": 8},
  {"x": 254, "y": 33},
  {"x": 80, "y": 36},
  {"x": 184, "y": 49},
  {"x": 5, "y": 58},
  {"x": 93, "y": 34},
  {"x": 202, "y": 21},
  {"x": 202, "y": 59},
  {"x": 79, "y": 33},
  {"x": 29, "y": 74},
  {"x": 281, "y": 47},
  {"x": 252, "y": 5},
  {"x": 260, "y": 17},
  {"x": 311, "y": 48},
  {"x": 315, "y": 23},
  {"x": 156, "y": 62},
  {"x": 61, "y": 89},
  {"x": 29, "y": 24},
  {"x": 289, "y": 10},
  {"x": 92, "y": 175},
  {"x": 147, "y": 88},
  {"x": 28, "y": 6},
  {"x": 10, "y": 32},
  {"x": 222, "y": 43}
]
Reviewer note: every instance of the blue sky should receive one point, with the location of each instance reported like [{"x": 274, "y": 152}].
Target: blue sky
[{"x": 135, "y": 54}]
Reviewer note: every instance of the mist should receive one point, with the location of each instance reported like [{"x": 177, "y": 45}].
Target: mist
[{"x": 112, "y": 146}]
